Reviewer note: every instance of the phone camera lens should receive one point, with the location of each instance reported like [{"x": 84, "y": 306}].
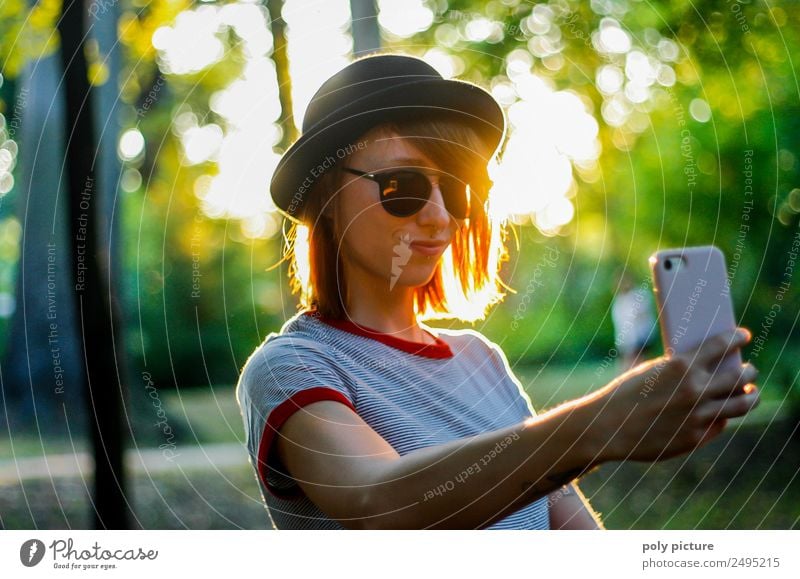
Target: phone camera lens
[{"x": 668, "y": 264}]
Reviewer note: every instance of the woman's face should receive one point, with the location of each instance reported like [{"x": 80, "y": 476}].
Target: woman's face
[{"x": 377, "y": 246}]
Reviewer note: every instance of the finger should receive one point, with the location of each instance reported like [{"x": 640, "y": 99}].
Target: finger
[
  {"x": 715, "y": 348},
  {"x": 720, "y": 423},
  {"x": 712, "y": 431},
  {"x": 730, "y": 382},
  {"x": 716, "y": 410}
]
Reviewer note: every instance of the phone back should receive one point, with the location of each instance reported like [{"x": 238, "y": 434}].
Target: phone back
[{"x": 693, "y": 298}]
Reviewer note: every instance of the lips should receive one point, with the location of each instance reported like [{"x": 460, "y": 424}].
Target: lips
[{"x": 428, "y": 247}]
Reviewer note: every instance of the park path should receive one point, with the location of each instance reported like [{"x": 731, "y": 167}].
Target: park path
[
  {"x": 222, "y": 455},
  {"x": 145, "y": 460}
]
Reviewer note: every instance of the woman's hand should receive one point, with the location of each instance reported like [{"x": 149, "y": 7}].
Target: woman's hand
[{"x": 674, "y": 404}]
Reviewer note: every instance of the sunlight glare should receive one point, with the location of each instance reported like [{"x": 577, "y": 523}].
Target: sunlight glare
[
  {"x": 557, "y": 213},
  {"x": 190, "y": 44},
  {"x": 404, "y": 18},
  {"x": 131, "y": 144},
  {"x": 446, "y": 64},
  {"x": 245, "y": 102},
  {"x": 549, "y": 130},
  {"x": 479, "y": 29},
  {"x": 301, "y": 249},
  {"x": 640, "y": 69},
  {"x": 611, "y": 38},
  {"x": 310, "y": 25},
  {"x": 248, "y": 108},
  {"x": 609, "y": 79},
  {"x": 240, "y": 189},
  {"x": 200, "y": 144},
  {"x": 248, "y": 22}
]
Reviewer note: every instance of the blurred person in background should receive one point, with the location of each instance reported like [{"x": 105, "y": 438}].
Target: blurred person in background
[{"x": 634, "y": 322}]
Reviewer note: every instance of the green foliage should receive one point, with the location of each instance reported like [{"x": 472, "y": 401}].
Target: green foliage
[
  {"x": 673, "y": 181},
  {"x": 663, "y": 179},
  {"x": 26, "y": 33}
]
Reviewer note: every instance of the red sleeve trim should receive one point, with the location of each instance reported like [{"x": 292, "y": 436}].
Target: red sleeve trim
[{"x": 279, "y": 415}]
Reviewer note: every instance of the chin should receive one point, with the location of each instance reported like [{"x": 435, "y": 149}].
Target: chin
[{"x": 414, "y": 276}]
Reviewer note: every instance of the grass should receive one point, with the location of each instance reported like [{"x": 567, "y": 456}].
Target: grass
[
  {"x": 30, "y": 445},
  {"x": 745, "y": 479},
  {"x": 748, "y": 478},
  {"x": 554, "y": 384},
  {"x": 212, "y": 415},
  {"x": 196, "y": 499},
  {"x": 204, "y": 416},
  {"x": 198, "y": 417}
]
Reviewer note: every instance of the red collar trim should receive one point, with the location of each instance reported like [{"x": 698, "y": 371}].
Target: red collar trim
[{"x": 440, "y": 349}]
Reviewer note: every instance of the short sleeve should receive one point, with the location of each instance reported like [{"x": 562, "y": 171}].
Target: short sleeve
[
  {"x": 500, "y": 362},
  {"x": 282, "y": 376}
]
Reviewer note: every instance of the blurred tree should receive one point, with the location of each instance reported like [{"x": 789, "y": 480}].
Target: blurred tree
[
  {"x": 680, "y": 92},
  {"x": 698, "y": 104},
  {"x": 365, "y": 29},
  {"x": 281, "y": 59},
  {"x": 42, "y": 374},
  {"x": 92, "y": 179}
]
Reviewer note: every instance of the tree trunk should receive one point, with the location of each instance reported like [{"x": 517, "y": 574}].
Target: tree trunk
[
  {"x": 42, "y": 371},
  {"x": 281, "y": 59},
  {"x": 90, "y": 232},
  {"x": 365, "y": 30}
]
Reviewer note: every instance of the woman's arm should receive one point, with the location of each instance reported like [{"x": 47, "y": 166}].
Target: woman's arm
[
  {"x": 661, "y": 409},
  {"x": 355, "y": 476},
  {"x": 569, "y": 509}
]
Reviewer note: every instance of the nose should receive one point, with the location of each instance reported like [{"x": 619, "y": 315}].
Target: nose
[{"x": 434, "y": 213}]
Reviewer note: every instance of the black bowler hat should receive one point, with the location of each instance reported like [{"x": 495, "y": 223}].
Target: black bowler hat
[{"x": 364, "y": 94}]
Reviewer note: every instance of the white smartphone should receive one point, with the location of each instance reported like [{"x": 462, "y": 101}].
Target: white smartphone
[{"x": 693, "y": 299}]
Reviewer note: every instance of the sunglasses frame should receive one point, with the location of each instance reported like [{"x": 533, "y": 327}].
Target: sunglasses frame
[{"x": 376, "y": 176}]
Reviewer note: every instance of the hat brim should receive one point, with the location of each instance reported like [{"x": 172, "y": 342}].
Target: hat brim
[{"x": 318, "y": 149}]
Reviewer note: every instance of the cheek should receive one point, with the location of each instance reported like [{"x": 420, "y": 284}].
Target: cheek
[{"x": 367, "y": 234}]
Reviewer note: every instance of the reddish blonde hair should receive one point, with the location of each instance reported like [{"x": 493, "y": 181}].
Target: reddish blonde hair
[{"x": 478, "y": 248}]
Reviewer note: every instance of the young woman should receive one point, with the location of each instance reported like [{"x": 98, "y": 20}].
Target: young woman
[{"x": 358, "y": 415}]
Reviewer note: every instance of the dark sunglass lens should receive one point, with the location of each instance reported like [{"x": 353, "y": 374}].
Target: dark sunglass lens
[
  {"x": 456, "y": 196},
  {"x": 404, "y": 193}
]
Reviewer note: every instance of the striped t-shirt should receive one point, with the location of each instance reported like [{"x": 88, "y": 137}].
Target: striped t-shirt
[{"x": 414, "y": 395}]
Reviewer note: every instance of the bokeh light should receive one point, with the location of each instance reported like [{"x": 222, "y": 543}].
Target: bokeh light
[
  {"x": 536, "y": 173},
  {"x": 404, "y": 18},
  {"x": 549, "y": 129},
  {"x": 131, "y": 144},
  {"x": 309, "y": 26},
  {"x": 190, "y": 44}
]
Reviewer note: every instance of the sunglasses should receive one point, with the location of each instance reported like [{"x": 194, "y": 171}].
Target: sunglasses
[{"x": 404, "y": 192}]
